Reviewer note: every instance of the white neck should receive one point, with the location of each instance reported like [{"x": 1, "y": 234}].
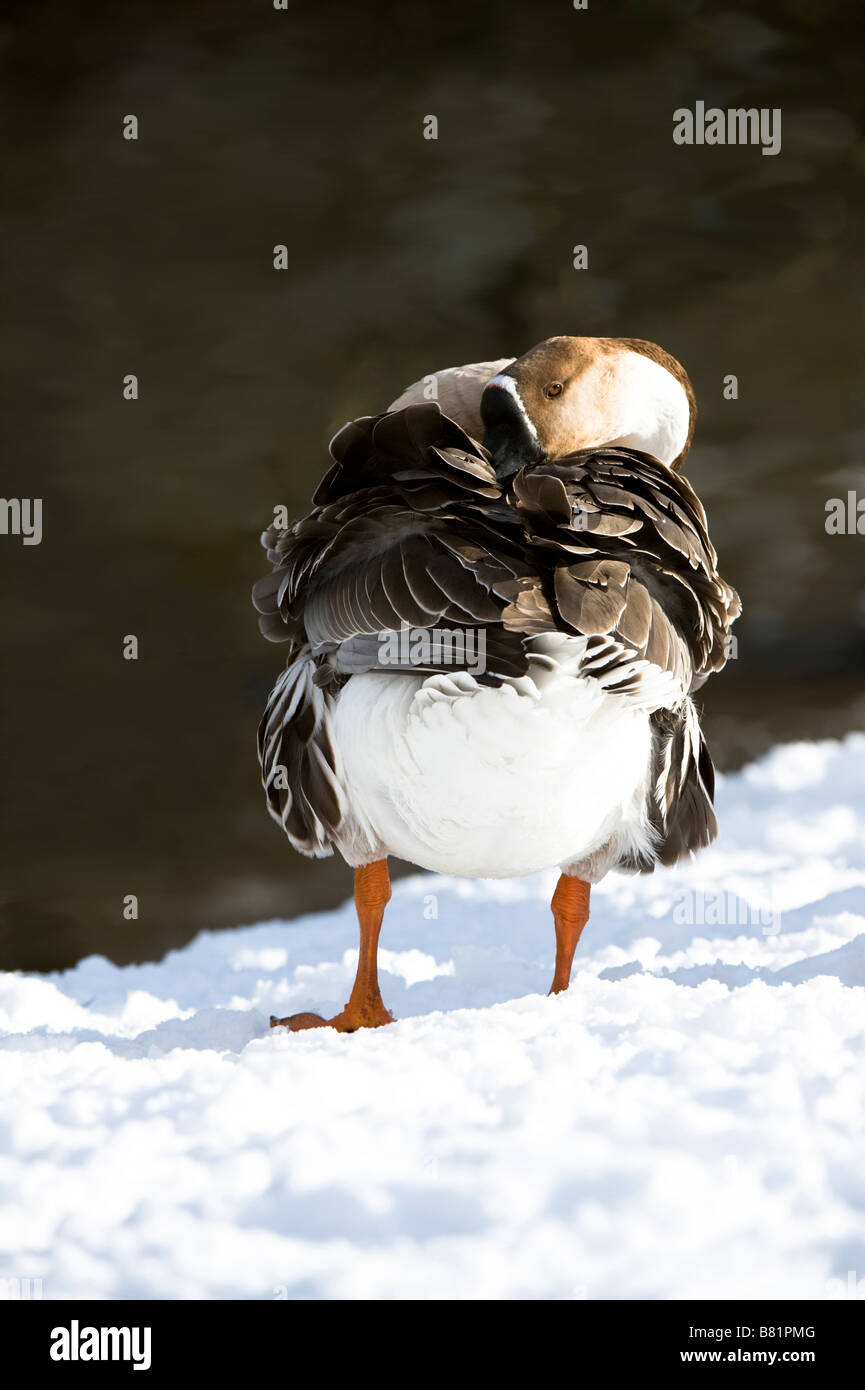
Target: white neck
[{"x": 655, "y": 412}]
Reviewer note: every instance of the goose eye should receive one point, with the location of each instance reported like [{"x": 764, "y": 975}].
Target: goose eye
[{"x": 554, "y": 389}]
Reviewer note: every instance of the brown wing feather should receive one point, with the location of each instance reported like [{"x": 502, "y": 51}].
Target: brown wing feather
[{"x": 653, "y": 584}]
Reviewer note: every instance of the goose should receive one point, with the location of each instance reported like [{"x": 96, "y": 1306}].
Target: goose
[{"x": 533, "y": 513}]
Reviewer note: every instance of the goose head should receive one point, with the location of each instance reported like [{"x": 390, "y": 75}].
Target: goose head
[{"x": 567, "y": 393}]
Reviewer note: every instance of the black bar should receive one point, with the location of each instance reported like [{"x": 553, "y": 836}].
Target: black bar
[{"x": 268, "y": 1340}]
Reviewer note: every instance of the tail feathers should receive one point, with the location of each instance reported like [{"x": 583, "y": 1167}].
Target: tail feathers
[
  {"x": 299, "y": 765},
  {"x": 683, "y": 785}
]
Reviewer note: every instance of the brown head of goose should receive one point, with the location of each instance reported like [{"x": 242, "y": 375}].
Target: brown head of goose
[
  {"x": 569, "y": 549},
  {"x": 567, "y": 394}
]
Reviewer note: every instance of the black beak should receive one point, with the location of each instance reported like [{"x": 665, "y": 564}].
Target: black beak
[{"x": 508, "y": 437}]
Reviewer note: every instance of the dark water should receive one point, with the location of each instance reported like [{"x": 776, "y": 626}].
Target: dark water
[{"x": 155, "y": 257}]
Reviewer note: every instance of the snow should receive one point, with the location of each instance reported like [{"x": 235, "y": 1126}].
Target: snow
[{"x": 686, "y": 1122}]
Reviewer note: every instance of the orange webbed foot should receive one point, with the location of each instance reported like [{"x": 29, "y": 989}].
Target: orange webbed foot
[{"x": 371, "y": 1014}]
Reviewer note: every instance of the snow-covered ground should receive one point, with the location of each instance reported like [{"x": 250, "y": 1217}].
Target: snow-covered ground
[{"x": 686, "y": 1122}]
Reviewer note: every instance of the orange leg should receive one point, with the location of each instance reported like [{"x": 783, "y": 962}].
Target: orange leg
[
  {"x": 570, "y": 913},
  {"x": 365, "y": 1008}
]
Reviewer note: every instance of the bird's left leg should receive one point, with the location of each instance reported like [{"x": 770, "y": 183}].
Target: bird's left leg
[
  {"x": 365, "y": 1007},
  {"x": 570, "y": 913}
]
